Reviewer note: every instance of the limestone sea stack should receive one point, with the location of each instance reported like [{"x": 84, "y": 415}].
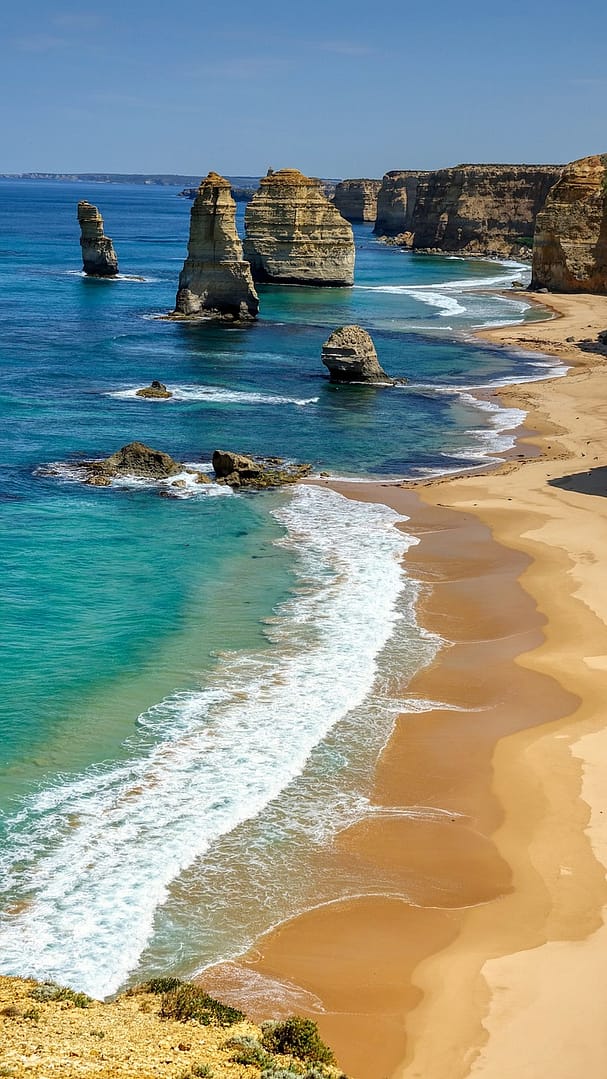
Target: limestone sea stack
[
  {"x": 294, "y": 235},
  {"x": 98, "y": 255},
  {"x": 356, "y": 200},
  {"x": 570, "y": 245},
  {"x": 350, "y": 356},
  {"x": 215, "y": 279}
]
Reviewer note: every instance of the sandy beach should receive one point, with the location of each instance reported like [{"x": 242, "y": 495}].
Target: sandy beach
[{"x": 490, "y": 958}]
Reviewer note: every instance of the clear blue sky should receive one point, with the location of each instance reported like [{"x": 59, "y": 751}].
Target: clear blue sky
[{"x": 333, "y": 88}]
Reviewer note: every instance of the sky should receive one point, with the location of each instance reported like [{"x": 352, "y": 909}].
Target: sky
[{"x": 336, "y": 89}]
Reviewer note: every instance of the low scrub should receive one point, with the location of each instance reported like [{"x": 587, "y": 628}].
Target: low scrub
[
  {"x": 296, "y": 1037},
  {"x": 187, "y": 1001},
  {"x": 50, "y": 991}
]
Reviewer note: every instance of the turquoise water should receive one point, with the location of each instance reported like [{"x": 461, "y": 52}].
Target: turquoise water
[{"x": 195, "y": 688}]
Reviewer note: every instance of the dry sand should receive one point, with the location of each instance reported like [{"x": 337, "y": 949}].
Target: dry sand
[{"x": 490, "y": 957}]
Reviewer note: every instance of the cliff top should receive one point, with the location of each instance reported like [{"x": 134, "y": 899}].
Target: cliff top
[
  {"x": 145, "y": 1033},
  {"x": 213, "y": 179}
]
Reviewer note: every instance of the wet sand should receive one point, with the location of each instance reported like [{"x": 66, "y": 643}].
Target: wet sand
[{"x": 489, "y": 957}]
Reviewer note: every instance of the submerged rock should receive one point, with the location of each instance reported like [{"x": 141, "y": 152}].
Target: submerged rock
[
  {"x": 294, "y": 235},
  {"x": 98, "y": 255},
  {"x": 134, "y": 459},
  {"x": 238, "y": 470},
  {"x": 350, "y": 356},
  {"x": 215, "y": 280},
  {"x": 154, "y": 390},
  {"x": 570, "y": 243}
]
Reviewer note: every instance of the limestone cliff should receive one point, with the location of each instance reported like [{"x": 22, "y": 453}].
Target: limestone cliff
[
  {"x": 294, "y": 235},
  {"x": 396, "y": 200},
  {"x": 98, "y": 255},
  {"x": 215, "y": 280},
  {"x": 570, "y": 246},
  {"x": 356, "y": 200},
  {"x": 480, "y": 209}
]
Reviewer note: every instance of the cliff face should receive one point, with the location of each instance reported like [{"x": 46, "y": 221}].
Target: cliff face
[
  {"x": 356, "y": 200},
  {"x": 295, "y": 235},
  {"x": 215, "y": 279},
  {"x": 98, "y": 255},
  {"x": 570, "y": 246},
  {"x": 480, "y": 209},
  {"x": 396, "y": 200}
]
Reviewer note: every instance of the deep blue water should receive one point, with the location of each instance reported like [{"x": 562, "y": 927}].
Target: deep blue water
[{"x": 136, "y": 627}]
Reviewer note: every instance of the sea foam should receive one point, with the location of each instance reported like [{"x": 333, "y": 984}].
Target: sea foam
[{"x": 88, "y": 860}]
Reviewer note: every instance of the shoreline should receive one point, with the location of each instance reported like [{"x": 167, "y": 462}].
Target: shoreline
[{"x": 440, "y": 987}]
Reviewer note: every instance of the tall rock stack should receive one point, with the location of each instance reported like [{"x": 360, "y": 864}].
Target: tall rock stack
[
  {"x": 570, "y": 246},
  {"x": 98, "y": 255},
  {"x": 215, "y": 279},
  {"x": 356, "y": 200},
  {"x": 294, "y": 235}
]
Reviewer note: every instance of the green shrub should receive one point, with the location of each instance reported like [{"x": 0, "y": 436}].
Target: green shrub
[
  {"x": 50, "y": 991},
  {"x": 280, "y": 1073},
  {"x": 162, "y": 985},
  {"x": 296, "y": 1037},
  {"x": 189, "y": 1002},
  {"x": 202, "y": 1070},
  {"x": 253, "y": 1055},
  {"x": 32, "y": 1013}
]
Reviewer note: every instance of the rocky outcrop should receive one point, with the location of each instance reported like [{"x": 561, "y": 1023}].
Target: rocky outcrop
[
  {"x": 215, "y": 281},
  {"x": 480, "y": 209},
  {"x": 570, "y": 245},
  {"x": 135, "y": 459},
  {"x": 294, "y": 235},
  {"x": 350, "y": 356},
  {"x": 237, "y": 470},
  {"x": 356, "y": 200},
  {"x": 98, "y": 255},
  {"x": 396, "y": 200},
  {"x": 156, "y": 391}
]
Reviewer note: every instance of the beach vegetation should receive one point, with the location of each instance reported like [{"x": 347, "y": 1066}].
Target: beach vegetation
[
  {"x": 525, "y": 241},
  {"x": 161, "y": 985},
  {"x": 188, "y": 1001},
  {"x": 204, "y": 1071},
  {"x": 32, "y": 1013},
  {"x": 296, "y": 1037},
  {"x": 51, "y": 991}
]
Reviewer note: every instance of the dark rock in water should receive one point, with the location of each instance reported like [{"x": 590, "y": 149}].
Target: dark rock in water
[
  {"x": 238, "y": 470},
  {"x": 350, "y": 356},
  {"x": 155, "y": 390},
  {"x": 135, "y": 459},
  {"x": 98, "y": 255}
]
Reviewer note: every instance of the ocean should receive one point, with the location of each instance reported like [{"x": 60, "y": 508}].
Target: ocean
[{"x": 196, "y": 683}]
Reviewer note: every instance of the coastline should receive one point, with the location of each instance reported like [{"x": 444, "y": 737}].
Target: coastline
[{"x": 482, "y": 972}]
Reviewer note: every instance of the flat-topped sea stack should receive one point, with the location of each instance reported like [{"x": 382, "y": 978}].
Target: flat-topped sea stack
[
  {"x": 396, "y": 200},
  {"x": 294, "y": 235},
  {"x": 98, "y": 255},
  {"x": 570, "y": 245},
  {"x": 349, "y": 355},
  {"x": 356, "y": 200},
  {"x": 215, "y": 280}
]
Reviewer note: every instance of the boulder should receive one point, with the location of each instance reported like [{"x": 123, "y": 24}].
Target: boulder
[
  {"x": 155, "y": 390},
  {"x": 135, "y": 459},
  {"x": 294, "y": 235},
  {"x": 215, "y": 281},
  {"x": 350, "y": 356},
  {"x": 570, "y": 244},
  {"x": 98, "y": 255},
  {"x": 239, "y": 470}
]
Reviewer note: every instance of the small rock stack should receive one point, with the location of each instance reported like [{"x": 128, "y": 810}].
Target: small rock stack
[{"x": 98, "y": 255}]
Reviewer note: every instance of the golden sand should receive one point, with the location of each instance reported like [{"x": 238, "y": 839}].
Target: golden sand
[{"x": 491, "y": 958}]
